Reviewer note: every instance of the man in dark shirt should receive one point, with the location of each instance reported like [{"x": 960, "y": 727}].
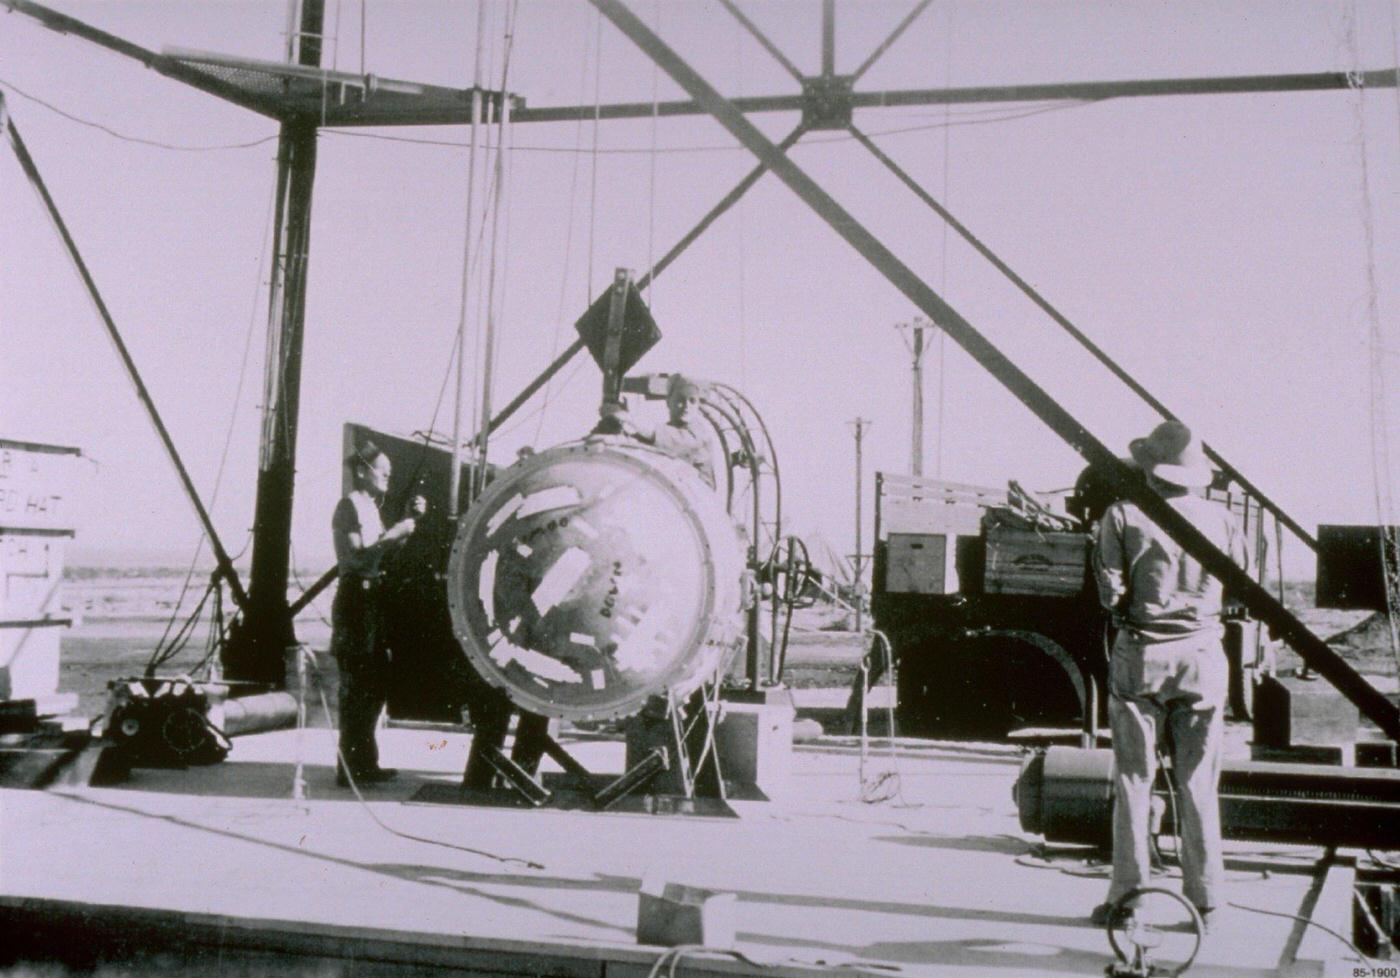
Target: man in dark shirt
[
  {"x": 357, "y": 639},
  {"x": 678, "y": 437}
]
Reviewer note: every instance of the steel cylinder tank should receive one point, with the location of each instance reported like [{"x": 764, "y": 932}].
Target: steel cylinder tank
[{"x": 594, "y": 575}]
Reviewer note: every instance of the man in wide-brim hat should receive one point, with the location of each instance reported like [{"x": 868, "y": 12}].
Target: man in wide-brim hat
[{"x": 1168, "y": 674}]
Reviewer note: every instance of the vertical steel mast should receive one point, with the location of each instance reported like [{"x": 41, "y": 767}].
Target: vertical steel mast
[{"x": 255, "y": 653}]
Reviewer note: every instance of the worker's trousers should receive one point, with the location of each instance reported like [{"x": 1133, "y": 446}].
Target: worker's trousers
[
  {"x": 358, "y": 643},
  {"x": 1172, "y": 693}
]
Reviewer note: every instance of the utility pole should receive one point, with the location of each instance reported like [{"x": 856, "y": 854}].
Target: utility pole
[
  {"x": 916, "y": 349},
  {"x": 858, "y": 561}
]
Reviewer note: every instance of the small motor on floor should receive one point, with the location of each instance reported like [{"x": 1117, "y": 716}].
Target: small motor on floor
[{"x": 163, "y": 723}]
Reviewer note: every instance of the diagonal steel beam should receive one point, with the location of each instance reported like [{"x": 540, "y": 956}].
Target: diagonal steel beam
[
  {"x": 1313, "y": 650},
  {"x": 712, "y": 215},
  {"x": 31, "y": 170},
  {"x": 574, "y": 348},
  {"x": 169, "y": 67},
  {"x": 895, "y": 34},
  {"x": 438, "y": 114},
  {"x": 762, "y": 39},
  {"x": 1063, "y": 322}
]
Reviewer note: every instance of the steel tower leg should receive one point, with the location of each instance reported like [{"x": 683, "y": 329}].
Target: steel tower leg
[{"x": 255, "y": 653}]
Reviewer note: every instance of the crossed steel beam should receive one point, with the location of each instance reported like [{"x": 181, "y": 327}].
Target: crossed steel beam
[
  {"x": 1313, "y": 650},
  {"x": 827, "y": 101}
]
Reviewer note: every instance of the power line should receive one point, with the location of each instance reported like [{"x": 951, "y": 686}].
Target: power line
[{"x": 140, "y": 140}]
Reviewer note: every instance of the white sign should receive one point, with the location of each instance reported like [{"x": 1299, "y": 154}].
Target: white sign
[{"x": 37, "y": 486}]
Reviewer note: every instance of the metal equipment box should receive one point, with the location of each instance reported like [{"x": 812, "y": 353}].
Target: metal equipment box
[
  {"x": 920, "y": 563},
  {"x": 1349, "y": 570},
  {"x": 1035, "y": 562},
  {"x": 1291, "y": 712}
]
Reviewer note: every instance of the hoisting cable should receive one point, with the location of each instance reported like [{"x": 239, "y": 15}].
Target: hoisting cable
[
  {"x": 568, "y": 244},
  {"x": 710, "y": 217},
  {"x": 26, "y": 162},
  {"x": 489, "y": 353},
  {"x": 1387, "y": 544},
  {"x": 233, "y": 415},
  {"x": 741, "y": 233},
  {"x": 455, "y": 478}
]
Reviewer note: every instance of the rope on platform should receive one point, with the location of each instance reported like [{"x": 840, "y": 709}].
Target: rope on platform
[
  {"x": 887, "y": 784},
  {"x": 1311, "y": 923}
]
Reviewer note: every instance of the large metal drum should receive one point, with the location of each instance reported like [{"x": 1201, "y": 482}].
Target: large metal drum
[{"x": 595, "y": 574}]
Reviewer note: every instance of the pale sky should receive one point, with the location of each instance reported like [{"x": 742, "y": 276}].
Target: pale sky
[{"x": 1216, "y": 245}]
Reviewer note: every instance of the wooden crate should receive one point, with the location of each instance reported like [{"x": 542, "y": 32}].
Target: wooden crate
[{"x": 1035, "y": 562}]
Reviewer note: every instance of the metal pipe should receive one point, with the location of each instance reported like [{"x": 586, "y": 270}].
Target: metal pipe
[
  {"x": 1312, "y": 649},
  {"x": 26, "y": 162},
  {"x": 1076, "y": 333},
  {"x": 755, "y": 611},
  {"x": 828, "y": 37},
  {"x": 1069, "y": 91},
  {"x": 1066, "y": 795},
  {"x": 895, "y": 34},
  {"x": 762, "y": 39},
  {"x": 859, "y": 558}
]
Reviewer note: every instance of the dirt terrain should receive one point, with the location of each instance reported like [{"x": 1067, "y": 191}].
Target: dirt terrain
[{"x": 121, "y": 621}]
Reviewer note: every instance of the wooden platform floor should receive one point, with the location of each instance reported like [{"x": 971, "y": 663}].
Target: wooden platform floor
[{"x": 939, "y": 880}]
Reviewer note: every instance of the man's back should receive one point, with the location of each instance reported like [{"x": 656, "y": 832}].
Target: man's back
[{"x": 1155, "y": 587}]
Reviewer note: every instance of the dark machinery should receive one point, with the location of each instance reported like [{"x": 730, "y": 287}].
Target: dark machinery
[
  {"x": 1066, "y": 795},
  {"x": 986, "y": 598}
]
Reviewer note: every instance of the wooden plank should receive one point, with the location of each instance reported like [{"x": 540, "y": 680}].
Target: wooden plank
[
  {"x": 982, "y": 499},
  {"x": 906, "y": 517},
  {"x": 908, "y": 482}
]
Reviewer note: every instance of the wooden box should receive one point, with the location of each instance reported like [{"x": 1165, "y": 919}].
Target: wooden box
[
  {"x": 1035, "y": 562},
  {"x": 919, "y": 563},
  {"x": 671, "y": 915}
]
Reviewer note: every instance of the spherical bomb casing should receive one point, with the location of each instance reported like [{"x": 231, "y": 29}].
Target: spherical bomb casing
[{"x": 594, "y": 575}]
